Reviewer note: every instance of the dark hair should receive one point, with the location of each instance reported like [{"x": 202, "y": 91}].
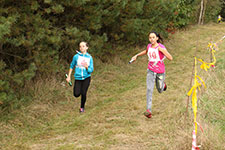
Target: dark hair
[
  {"x": 160, "y": 40},
  {"x": 84, "y": 42}
]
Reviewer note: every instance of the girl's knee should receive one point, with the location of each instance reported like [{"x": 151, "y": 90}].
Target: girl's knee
[{"x": 76, "y": 94}]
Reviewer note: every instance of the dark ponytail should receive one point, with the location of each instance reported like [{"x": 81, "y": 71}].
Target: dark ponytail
[{"x": 160, "y": 40}]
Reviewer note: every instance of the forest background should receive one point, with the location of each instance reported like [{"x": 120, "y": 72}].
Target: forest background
[{"x": 38, "y": 38}]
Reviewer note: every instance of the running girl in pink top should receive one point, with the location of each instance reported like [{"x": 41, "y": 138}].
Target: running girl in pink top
[{"x": 156, "y": 53}]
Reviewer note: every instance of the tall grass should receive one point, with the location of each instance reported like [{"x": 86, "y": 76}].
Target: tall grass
[{"x": 117, "y": 99}]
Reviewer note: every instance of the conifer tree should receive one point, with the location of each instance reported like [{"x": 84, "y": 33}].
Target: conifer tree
[{"x": 37, "y": 37}]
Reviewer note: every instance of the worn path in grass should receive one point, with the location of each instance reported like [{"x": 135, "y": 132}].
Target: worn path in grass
[{"x": 116, "y": 102}]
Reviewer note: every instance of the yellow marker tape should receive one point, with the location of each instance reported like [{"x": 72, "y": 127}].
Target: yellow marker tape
[
  {"x": 210, "y": 45},
  {"x": 197, "y": 86},
  {"x": 194, "y": 88},
  {"x": 205, "y": 66},
  {"x": 213, "y": 55},
  {"x": 200, "y": 80},
  {"x": 193, "y": 92}
]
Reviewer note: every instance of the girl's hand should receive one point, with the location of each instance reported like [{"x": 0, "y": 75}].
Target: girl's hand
[
  {"x": 144, "y": 52},
  {"x": 85, "y": 65},
  {"x": 134, "y": 58},
  {"x": 68, "y": 79}
]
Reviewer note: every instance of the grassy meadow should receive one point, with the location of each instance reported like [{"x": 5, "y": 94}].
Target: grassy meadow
[{"x": 116, "y": 102}]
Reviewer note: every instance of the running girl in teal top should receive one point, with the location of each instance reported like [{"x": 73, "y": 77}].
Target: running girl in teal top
[{"x": 83, "y": 64}]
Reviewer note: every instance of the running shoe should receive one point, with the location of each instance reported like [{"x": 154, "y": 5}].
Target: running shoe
[
  {"x": 81, "y": 110},
  {"x": 148, "y": 113},
  {"x": 165, "y": 87}
]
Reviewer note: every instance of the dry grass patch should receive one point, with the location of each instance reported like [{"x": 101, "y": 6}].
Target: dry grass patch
[{"x": 116, "y": 101}]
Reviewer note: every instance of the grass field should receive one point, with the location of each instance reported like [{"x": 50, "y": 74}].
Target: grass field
[{"x": 117, "y": 100}]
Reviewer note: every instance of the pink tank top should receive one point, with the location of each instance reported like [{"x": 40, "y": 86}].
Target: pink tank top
[{"x": 156, "y": 58}]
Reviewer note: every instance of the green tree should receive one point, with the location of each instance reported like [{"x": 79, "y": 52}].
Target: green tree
[{"x": 38, "y": 37}]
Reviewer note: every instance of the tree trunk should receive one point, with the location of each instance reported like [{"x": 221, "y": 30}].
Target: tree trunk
[
  {"x": 202, "y": 12},
  {"x": 204, "y": 8}
]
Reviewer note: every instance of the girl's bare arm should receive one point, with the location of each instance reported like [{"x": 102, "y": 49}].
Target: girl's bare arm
[{"x": 139, "y": 54}]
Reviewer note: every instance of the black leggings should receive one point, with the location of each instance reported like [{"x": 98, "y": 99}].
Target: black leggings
[{"x": 80, "y": 88}]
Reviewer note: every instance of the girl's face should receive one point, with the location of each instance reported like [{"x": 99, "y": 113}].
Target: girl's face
[
  {"x": 83, "y": 47},
  {"x": 153, "y": 38}
]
